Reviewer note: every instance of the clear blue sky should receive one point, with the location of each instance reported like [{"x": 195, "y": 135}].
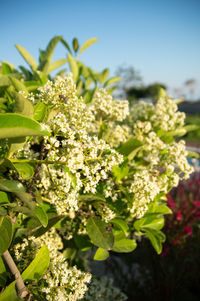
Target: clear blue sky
[{"x": 161, "y": 39}]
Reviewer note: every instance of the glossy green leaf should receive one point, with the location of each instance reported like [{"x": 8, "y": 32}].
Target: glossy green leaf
[
  {"x": 14, "y": 125},
  {"x": 124, "y": 245},
  {"x": 103, "y": 75},
  {"x": 51, "y": 222},
  {"x": 46, "y": 56},
  {"x": 73, "y": 66},
  {"x": 55, "y": 65},
  {"x": 19, "y": 86},
  {"x": 100, "y": 233},
  {"x": 4, "y": 80},
  {"x": 18, "y": 189},
  {"x": 11, "y": 186},
  {"x": 5, "y": 233},
  {"x": 40, "y": 111},
  {"x": 82, "y": 242},
  {"x": 101, "y": 254},
  {"x": 27, "y": 56},
  {"x": 41, "y": 215},
  {"x": 121, "y": 224},
  {"x": 34, "y": 271},
  {"x": 129, "y": 146},
  {"x": 157, "y": 238},
  {"x": 158, "y": 209},
  {"x": 69, "y": 253},
  {"x": 111, "y": 81},
  {"x": 3, "y": 198},
  {"x": 120, "y": 172},
  {"x": 87, "y": 44},
  {"x": 149, "y": 222},
  {"x": 25, "y": 170},
  {"x": 66, "y": 45},
  {"x": 92, "y": 197},
  {"x": 3, "y": 274},
  {"x": 23, "y": 105},
  {"x": 75, "y": 44}
]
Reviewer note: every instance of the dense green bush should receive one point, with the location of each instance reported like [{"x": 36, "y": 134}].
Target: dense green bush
[{"x": 80, "y": 171}]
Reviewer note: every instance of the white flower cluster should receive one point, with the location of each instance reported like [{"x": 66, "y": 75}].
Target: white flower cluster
[
  {"x": 103, "y": 289},
  {"x": 164, "y": 115},
  {"x": 62, "y": 95},
  {"x": 81, "y": 160},
  {"x": 144, "y": 188},
  {"x": 103, "y": 105},
  {"x": 62, "y": 283}
]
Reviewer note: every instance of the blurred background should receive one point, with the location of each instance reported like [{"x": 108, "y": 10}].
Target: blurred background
[{"x": 149, "y": 44}]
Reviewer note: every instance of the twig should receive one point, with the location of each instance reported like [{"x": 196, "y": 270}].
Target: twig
[{"x": 22, "y": 291}]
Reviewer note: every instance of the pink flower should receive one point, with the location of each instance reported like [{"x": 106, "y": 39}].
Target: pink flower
[
  {"x": 178, "y": 215},
  {"x": 188, "y": 230},
  {"x": 175, "y": 241},
  {"x": 171, "y": 202},
  {"x": 165, "y": 251},
  {"x": 196, "y": 203}
]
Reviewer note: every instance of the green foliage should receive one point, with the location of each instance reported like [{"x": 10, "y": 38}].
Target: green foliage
[
  {"x": 100, "y": 233},
  {"x": 96, "y": 178},
  {"x": 33, "y": 272},
  {"x": 5, "y": 233},
  {"x": 16, "y": 125}
]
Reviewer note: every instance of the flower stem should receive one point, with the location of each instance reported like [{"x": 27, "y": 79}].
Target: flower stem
[{"x": 20, "y": 286}]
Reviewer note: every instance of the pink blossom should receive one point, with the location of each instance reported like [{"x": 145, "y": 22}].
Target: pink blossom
[{"x": 188, "y": 230}]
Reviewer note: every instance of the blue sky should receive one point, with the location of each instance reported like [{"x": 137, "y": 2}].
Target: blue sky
[{"x": 160, "y": 39}]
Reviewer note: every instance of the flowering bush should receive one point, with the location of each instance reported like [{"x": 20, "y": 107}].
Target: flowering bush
[
  {"x": 184, "y": 202},
  {"x": 79, "y": 170}
]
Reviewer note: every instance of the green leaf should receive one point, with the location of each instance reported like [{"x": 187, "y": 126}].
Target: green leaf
[
  {"x": 51, "y": 222},
  {"x": 23, "y": 105},
  {"x": 11, "y": 186},
  {"x": 129, "y": 146},
  {"x": 111, "y": 81},
  {"x": 103, "y": 75},
  {"x": 3, "y": 274},
  {"x": 66, "y": 45},
  {"x": 46, "y": 56},
  {"x": 18, "y": 85},
  {"x": 101, "y": 254},
  {"x": 41, "y": 215},
  {"x": 34, "y": 271},
  {"x": 51, "y": 46},
  {"x": 161, "y": 93},
  {"x": 18, "y": 189},
  {"x": 124, "y": 245},
  {"x": 5, "y": 233},
  {"x": 87, "y": 44},
  {"x": 75, "y": 44},
  {"x": 15, "y": 125},
  {"x": 73, "y": 66},
  {"x": 92, "y": 197},
  {"x": 99, "y": 233},
  {"x": 157, "y": 238},
  {"x": 120, "y": 172},
  {"x": 82, "y": 242},
  {"x": 55, "y": 65},
  {"x": 25, "y": 170},
  {"x": 4, "y": 81},
  {"x": 121, "y": 224},
  {"x": 3, "y": 198},
  {"x": 150, "y": 221},
  {"x": 158, "y": 209},
  {"x": 40, "y": 111},
  {"x": 69, "y": 253},
  {"x": 27, "y": 56},
  {"x": 193, "y": 155}
]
